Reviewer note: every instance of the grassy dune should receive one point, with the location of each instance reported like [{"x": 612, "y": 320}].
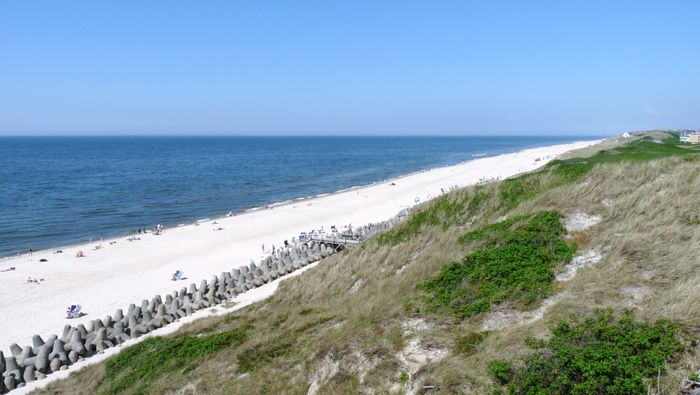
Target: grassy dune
[{"x": 406, "y": 309}]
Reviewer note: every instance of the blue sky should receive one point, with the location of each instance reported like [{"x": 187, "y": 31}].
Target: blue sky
[{"x": 366, "y": 68}]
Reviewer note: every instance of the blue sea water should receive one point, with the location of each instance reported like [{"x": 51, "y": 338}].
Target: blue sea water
[{"x": 57, "y": 191}]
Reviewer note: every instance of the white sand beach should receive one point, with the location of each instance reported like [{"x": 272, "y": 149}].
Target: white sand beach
[{"x": 126, "y": 272}]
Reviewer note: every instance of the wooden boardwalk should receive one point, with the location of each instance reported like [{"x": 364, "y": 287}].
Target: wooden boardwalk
[{"x": 336, "y": 240}]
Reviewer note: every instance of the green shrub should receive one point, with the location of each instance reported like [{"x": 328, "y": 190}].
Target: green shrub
[
  {"x": 514, "y": 191},
  {"x": 467, "y": 344},
  {"x": 596, "y": 354},
  {"x": 403, "y": 377},
  {"x": 136, "y": 368},
  {"x": 490, "y": 233},
  {"x": 515, "y": 262},
  {"x": 501, "y": 370}
]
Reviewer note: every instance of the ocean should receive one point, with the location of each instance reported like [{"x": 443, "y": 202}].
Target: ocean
[{"x": 57, "y": 191}]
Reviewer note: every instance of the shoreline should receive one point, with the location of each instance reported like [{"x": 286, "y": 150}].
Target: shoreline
[
  {"x": 119, "y": 274},
  {"x": 216, "y": 217}
]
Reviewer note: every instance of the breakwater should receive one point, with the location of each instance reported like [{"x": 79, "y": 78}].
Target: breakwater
[{"x": 45, "y": 356}]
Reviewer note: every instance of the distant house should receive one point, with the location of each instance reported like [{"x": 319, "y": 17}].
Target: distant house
[{"x": 689, "y": 136}]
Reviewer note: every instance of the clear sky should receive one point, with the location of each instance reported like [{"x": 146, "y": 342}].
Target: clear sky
[{"x": 354, "y": 67}]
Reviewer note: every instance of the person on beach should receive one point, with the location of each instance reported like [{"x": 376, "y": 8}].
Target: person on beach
[
  {"x": 30, "y": 251},
  {"x": 73, "y": 311}
]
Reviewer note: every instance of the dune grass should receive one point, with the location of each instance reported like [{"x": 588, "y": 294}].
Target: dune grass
[{"x": 137, "y": 368}]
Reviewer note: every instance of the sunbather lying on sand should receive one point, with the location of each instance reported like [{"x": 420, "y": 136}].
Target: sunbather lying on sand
[
  {"x": 73, "y": 311},
  {"x": 178, "y": 275},
  {"x": 9, "y": 269}
]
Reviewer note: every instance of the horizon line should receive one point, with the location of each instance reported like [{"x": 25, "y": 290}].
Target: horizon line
[{"x": 315, "y": 135}]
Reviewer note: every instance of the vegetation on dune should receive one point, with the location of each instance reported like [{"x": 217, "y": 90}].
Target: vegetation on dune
[
  {"x": 644, "y": 149},
  {"x": 597, "y": 354},
  {"x": 558, "y": 173},
  {"x": 258, "y": 355},
  {"x": 139, "y": 368},
  {"x": 510, "y": 193},
  {"x": 445, "y": 211},
  {"x": 136, "y": 368},
  {"x": 254, "y": 357},
  {"x": 515, "y": 262},
  {"x": 468, "y": 344}
]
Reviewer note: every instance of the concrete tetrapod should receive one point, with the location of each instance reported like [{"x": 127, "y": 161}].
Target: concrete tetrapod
[
  {"x": 118, "y": 335},
  {"x": 28, "y": 375},
  {"x": 2, "y": 372},
  {"x": 26, "y": 357},
  {"x": 162, "y": 318},
  {"x": 100, "y": 342},
  {"x": 12, "y": 375},
  {"x": 58, "y": 353},
  {"x": 75, "y": 346},
  {"x": 41, "y": 363}
]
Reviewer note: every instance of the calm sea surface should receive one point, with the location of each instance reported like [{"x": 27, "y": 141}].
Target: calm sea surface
[{"x": 62, "y": 190}]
